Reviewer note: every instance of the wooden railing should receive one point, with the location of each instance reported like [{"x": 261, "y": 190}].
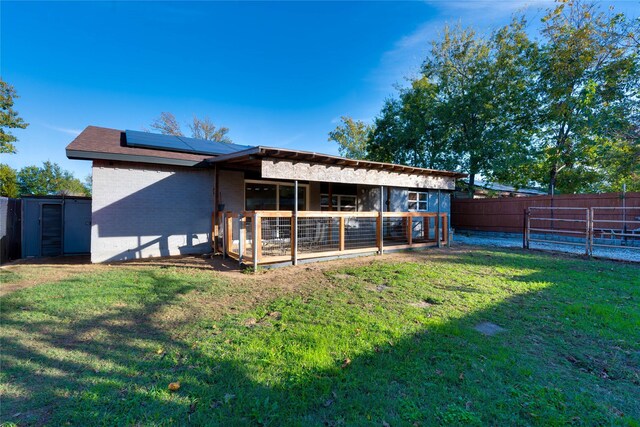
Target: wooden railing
[{"x": 264, "y": 237}]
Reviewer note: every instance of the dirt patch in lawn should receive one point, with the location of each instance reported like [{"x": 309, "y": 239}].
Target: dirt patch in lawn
[
  {"x": 23, "y": 274},
  {"x": 34, "y": 272}
]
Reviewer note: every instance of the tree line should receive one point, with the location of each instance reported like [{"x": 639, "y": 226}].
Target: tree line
[
  {"x": 559, "y": 110},
  {"x": 48, "y": 179}
]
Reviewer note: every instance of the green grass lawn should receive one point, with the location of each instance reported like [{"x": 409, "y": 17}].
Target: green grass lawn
[{"x": 384, "y": 340}]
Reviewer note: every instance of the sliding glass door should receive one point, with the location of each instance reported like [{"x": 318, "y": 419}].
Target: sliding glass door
[{"x": 274, "y": 196}]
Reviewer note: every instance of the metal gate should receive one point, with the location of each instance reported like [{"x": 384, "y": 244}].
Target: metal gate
[
  {"x": 615, "y": 227},
  {"x": 591, "y": 228},
  {"x": 563, "y": 226}
]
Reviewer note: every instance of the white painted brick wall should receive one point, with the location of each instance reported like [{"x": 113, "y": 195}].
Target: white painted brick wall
[
  {"x": 141, "y": 211},
  {"x": 232, "y": 190}
]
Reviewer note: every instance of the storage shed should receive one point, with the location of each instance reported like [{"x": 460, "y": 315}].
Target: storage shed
[{"x": 55, "y": 225}]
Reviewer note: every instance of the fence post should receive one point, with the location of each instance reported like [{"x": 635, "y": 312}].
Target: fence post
[
  {"x": 409, "y": 223},
  {"x": 380, "y": 223},
  {"x": 525, "y": 216},
  {"x": 445, "y": 229},
  {"x": 591, "y": 231},
  {"x": 256, "y": 238},
  {"x": 214, "y": 233},
  {"x": 528, "y": 228},
  {"x": 225, "y": 230},
  {"x": 379, "y": 238},
  {"x": 294, "y": 226},
  {"x": 587, "y": 236},
  {"x": 341, "y": 232},
  {"x": 438, "y": 224},
  {"x": 426, "y": 223},
  {"x": 241, "y": 237}
]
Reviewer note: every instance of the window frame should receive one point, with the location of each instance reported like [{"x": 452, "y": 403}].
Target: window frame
[
  {"x": 417, "y": 201},
  {"x": 277, "y": 184},
  {"x": 325, "y": 208}
]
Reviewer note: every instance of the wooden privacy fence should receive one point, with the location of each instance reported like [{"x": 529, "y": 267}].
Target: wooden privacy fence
[
  {"x": 615, "y": 227},
  {"x": 10, "y": 229},
  {"x": 263, "y": 237},
  {"x": 506, "y": 215}
]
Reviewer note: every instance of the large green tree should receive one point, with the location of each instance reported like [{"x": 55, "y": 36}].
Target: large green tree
[
  {"x": 384, "y": 142},
  {"x": 9, "y": 118},
  {"x": 468, "y": 110},
  {"x": 588, "y": 96},
  {"x": 460, "y": 65},
  {"x": 409, "y": 131},
  {"x": 484, "y": 90},
  {"x": 50, "y": 179},
  {"x": 561, "y": 110},
  {"x": 352, "y": 137}
]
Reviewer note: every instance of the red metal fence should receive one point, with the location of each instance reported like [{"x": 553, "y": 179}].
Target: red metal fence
[{"x": 507, "y": 214}]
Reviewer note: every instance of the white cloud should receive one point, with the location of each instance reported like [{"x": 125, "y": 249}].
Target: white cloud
[
  {"x": 290, "y": 140},
  {"x": 495, "y": 7},
  {"x": 405, "y": 58},
  {"x": 68, "y": 131}
]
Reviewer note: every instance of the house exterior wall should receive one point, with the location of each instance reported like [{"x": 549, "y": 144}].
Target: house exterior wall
[
  {"x": 398, "y": 199},
  {"x": 314, "y": 196},
  {"x": 143, "y": 210},
  {"x": 231, "y": 192}
]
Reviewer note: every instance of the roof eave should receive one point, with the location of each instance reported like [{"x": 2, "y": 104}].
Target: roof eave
[
  {"x": 96, "y": 155},
  {"x": 275, "y": 153}
]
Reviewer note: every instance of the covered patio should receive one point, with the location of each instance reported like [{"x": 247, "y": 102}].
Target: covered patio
[{"x": 299, "y": 206}]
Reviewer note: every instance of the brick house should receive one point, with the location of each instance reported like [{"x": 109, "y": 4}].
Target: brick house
[{"x": 159, "y": 195}]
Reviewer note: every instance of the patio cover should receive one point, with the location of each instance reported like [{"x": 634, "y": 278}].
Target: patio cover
[{"x": 278, "y": 163}]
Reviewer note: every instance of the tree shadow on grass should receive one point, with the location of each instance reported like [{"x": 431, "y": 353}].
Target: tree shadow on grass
[{"x": 114, "y": 367}]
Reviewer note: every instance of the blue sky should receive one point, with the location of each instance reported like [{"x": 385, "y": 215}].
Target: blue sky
[{"x": 277, "y": 74}]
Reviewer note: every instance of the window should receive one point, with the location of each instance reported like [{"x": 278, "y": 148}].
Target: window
[
  {"x": 273, "y": 196},
  {"x": 339, "y": 202},
  {"x": 418, "y": 201}
]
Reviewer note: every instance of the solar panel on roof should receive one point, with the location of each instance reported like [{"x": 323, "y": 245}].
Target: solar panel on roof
[{"x": 180, "y": 144}]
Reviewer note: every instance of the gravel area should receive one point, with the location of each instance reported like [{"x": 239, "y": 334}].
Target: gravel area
[{"x": 622, "y": 254}]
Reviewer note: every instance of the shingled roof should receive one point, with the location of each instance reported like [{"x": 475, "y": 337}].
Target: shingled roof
[{"x": 98, "y": 143}]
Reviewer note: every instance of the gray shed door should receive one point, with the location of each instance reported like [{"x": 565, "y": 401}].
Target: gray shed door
[
  {"x": 77, "y": 227},
  {"x": 51, "y": 227}
]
